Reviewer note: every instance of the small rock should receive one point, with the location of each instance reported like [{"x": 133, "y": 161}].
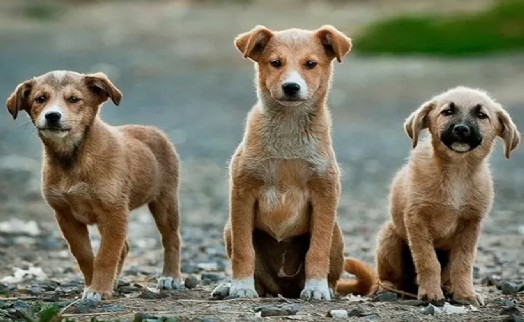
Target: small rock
[
  {"x": 149, "y": 294},
  {"x": 129, "y": 289},
  {"x": 213, "y": 277},
  {"x": 51, "y": 297},
  {"x": 514, "y": 318},
  {"x": 509, "y": 288},
  {"x": 35, "y": 289},
  {"x": 385, "y": 297},
  {"x": 85, "y": 306},
  {"x": 112, "y": 308},
  {"x": 521, "y": 287},
  {"x": 432, "y": 310},
  {"x": 191, "y": 282},
  {"x": 221, "y": 291},
  {"x": 144, "y": 317},
  {"x": 278, "y": 310},
  {"x": 22, "y": 306},
  {"x": 490, "y": 280},
  {"x": 358, "y": 312},
  {"x": 338, "y": 314},
  {"x": 510, "y": 308},
  {"x": 452, "y": 309}
]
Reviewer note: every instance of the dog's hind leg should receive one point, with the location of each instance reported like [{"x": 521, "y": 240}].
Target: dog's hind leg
[
  {"x": 389, "y": 258},
  {"x": 165, "y": 212}
]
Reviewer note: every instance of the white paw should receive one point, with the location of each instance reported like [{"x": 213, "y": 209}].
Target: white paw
[
  {"x": 480, "y": 299},
  {"x": 168, "y": 283},
  {"x": 243, "y": 288},
  {"x": 316, "y": 289},
  {"x": 92, "y": 295}
]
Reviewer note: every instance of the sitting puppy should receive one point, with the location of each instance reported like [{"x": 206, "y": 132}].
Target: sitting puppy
[
  {"x": 439, "y": 199},
  {"x": 282, "y": 235},
  {"x": 94, "y": 173}
]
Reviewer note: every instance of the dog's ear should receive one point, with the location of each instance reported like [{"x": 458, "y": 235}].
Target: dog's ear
[
  {"x": 336, "y": 44},
  {"x": 418, "y": 121},
  {"x": 100, "y": 84},
  {"x": 19, "y": 99},
  {"x": 508, "y": 132},
  {"x": 252, "y": 43}
]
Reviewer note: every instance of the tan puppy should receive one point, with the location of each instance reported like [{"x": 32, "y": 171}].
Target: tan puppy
[
  {"x": 439, "y": 199},
  {"x": 282, "y": 235},
  {"x": 94, "y": 173}
]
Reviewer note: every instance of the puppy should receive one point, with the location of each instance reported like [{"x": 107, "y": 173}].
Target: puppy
[
  {"x": 95, "y": 174},
  {"x": 282, "y": 235},
  {"x": 440, "y": 197}
]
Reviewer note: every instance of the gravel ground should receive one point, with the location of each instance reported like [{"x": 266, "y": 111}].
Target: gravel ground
[{"x": 185, "y": 77}]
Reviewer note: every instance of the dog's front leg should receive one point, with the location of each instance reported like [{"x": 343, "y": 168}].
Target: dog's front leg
[
  {"x": 462, "y": 256},
  {"x": 113, "y": 230},
  {"x": 324, "y": 200},
  {"x": 77, "y": 237},
  {"x": 425, "y": 258},
  {"x": 243, "y": 251}
]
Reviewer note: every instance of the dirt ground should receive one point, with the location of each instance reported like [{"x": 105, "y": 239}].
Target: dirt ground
[{"x": 176, "y": 65}]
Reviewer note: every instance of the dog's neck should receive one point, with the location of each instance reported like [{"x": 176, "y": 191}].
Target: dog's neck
[{"x": 68, "y": 151}]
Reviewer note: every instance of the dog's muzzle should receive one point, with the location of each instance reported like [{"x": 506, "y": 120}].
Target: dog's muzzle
[{"x": 461, "y": 137}]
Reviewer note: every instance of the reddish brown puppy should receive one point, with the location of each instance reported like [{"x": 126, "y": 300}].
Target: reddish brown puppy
[
  {"x": 95, "y": 174},
  {"x": 282, "y": 235},
  {"x": 439, "y": 199}
]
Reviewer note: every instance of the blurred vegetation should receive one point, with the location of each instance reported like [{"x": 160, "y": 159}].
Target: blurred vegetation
[{"x": 498, "y": 29}]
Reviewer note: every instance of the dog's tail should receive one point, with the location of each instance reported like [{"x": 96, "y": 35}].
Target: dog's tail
[{"x": 364, "y": 284}]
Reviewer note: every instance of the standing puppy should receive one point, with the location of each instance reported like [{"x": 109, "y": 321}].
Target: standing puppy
[
  {"x": 439, "y": 199},
  {"x": 282, "y": 235},
  {"x": 94, "y": 173}
]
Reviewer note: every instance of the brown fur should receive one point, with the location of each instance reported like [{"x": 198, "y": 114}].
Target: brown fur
[
  {"x": 284, "y": 178},
  {"x": 439, "y": 199},
  {"x": 97, "y": 173}
]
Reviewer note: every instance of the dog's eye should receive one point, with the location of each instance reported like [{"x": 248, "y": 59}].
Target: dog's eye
[
  {"x": 73, "y": 99},
  {"x": 448, "y": 112},
  {"x": 481, "y": 115},
  {"x": 40, "y": 99},
  {"x": 276, "y": 63},
  {"x": 310, "y": 64}
]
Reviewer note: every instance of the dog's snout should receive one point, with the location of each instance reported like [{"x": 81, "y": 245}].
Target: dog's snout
[
  {"x": 291, "y": 89},
  {"x": 461, "y": 130},
  {"x": 53, "y": 117}
]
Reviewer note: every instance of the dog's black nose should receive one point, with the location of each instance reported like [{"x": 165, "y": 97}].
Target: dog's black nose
[
  {"x": 461, "y": 131},
  {"x": 53, "y": 117},
  {"x": 290, "y": 88}
]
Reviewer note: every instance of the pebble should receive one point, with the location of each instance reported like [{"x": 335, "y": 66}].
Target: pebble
[
  {"x": 221, "y": 291},
  {"x": 85, "y": 306},
  {"x": 509, "y": 288},
  {"x": 148, "y": 294},
  {"x": 431, "y": 310},
  {"x": 338, "y": 314},
  {"x": 509, "y": 307},
  {"x": 490, "y": 280},
  {"x": 385, "y": 297},
  {"x": 22, "y": 306},
  {"x": 191, "y": 282},
  {"x": 35, "y": 289},
  {"x": 358, "y": 312},
  {"x": 278, "y": 310},
  {"x": 51, "y": 297}
]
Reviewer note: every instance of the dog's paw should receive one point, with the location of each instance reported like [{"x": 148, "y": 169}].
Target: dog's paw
[
  {"x": 96, "y": 295},
  {"x": 473, "y": 298},
  {"x": 168, "y": 283},
  {"x": 243, "y": 288},
  {"x": 432, "y": 295},
  {"x": 316, "y": 289}
]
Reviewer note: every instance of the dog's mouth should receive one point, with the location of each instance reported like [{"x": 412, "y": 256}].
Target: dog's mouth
[
  {"x": 57, "y": 130},
  {"x": 462, "y": 146}
]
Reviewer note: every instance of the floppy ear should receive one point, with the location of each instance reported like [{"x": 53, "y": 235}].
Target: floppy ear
[
  {"x": 335, "y": 43},
  {"x": 252, "y": 43},
  {"x": 508, "y": 132},
  {"x": 100, "y": 84},
  {"x": 418, "y": 121},
  {"x": 18, "y": 100}
]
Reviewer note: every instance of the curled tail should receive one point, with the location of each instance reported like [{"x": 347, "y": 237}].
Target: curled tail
[{"x": 364, "y": 284}]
